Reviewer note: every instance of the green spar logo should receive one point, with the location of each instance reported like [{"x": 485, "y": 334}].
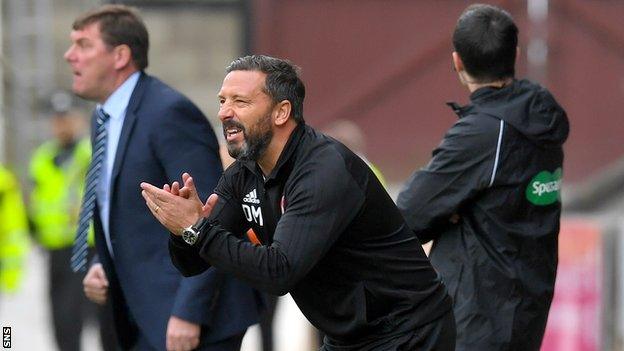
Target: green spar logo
[{"x": 544, "y": 188}]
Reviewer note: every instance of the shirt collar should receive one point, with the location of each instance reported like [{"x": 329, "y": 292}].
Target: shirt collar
[{"x": 117, "y": 103}]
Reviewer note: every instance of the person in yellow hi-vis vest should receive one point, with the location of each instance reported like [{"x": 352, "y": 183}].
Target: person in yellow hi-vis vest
[
  {"x": 57, "y": 169},
  {"x": 14, "y": 242}
]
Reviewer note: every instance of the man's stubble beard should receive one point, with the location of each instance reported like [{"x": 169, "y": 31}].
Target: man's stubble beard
[{"x": 255, "y": 143}]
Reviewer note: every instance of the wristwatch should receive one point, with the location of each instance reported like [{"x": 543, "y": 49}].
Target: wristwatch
[{"x": 190, "y": 234}]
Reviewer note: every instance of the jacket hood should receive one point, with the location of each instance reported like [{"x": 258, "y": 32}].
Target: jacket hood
[{"x": 528, "y": 107}]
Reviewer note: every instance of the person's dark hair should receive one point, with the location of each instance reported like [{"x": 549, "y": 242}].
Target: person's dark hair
[
  {"x": 119, "y": 24},
  {"x": 486, "y": 38},
  {"x": 282, "y": 80}
]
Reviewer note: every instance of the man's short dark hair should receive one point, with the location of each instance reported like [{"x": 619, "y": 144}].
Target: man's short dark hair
[
  {"x": 282, "y": 80},
  {"x": 486, "y": 39},
  {"x": 119, "y": 24}
]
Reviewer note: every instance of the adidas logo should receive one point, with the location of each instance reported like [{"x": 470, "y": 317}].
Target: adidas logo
[{"x": 251, "y": 197}]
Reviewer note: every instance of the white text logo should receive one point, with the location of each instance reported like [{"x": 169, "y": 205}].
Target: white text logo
[
  {"x": 253, "y": 214},
  {"x": 251, "y": 198}
]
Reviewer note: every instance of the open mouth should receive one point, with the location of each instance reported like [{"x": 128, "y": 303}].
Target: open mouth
[{"x": 232, "y": 132}]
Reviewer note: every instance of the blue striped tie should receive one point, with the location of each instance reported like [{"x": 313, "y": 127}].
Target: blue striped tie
[{"x": 79, "y": 251}]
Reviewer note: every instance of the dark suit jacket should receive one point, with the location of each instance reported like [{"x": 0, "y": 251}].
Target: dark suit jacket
[{"x": 163, "y": 135}]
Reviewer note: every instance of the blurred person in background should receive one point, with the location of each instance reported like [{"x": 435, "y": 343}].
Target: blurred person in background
[
  {"x": 352, "y": 136},
  {"x": 143, "y": 130},
  {"x": 57, "y": 169},
  {"x": 14, "y": 240},
  {"x": 322, "y": 226},
  {"x": 490, "y": 196}
]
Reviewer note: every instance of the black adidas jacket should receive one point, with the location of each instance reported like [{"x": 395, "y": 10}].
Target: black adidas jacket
[
  {"x": 499, "y": 168},
  {"x": 331, "y": 236}
]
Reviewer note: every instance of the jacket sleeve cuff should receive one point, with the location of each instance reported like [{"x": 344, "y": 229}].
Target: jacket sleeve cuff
[{"x": 196, "y": 297}]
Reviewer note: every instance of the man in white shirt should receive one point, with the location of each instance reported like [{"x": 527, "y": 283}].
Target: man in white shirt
[{"x": 143, "y": 130}]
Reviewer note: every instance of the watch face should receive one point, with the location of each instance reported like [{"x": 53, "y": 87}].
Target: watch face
[{"x": 189, "y": 236}]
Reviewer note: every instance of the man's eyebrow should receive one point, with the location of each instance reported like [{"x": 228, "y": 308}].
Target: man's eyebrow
[
  {"x": 234, "y": 97},
  {"x": 82, "y": 40}
]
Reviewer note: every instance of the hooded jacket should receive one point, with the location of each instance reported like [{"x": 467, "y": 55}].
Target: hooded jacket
[{"x": 498, "y": 169}]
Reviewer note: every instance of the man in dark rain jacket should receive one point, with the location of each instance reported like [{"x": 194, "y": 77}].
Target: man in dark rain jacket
[
  {"x": 490, "y": 196},
  {"x": 324, "y": 228}
]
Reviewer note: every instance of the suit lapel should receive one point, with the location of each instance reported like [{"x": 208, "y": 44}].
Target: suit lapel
[{"x": 128, "y": 125}]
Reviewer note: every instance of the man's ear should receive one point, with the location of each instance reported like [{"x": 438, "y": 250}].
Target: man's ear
[
  {"x": 123, "y": 56},
  {"x": 282, "y": 112},
  {"x": 458, "y": 64}
]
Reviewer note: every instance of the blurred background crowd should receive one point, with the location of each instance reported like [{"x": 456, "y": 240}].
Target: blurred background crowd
[{"x": 378, "y": 74}]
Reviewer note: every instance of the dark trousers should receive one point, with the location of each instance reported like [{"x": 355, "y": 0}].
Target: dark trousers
[
  {"x": 231, "y": 344},
  {"x": 70, "y": 307},
  {"x": 438, "y": 335}
]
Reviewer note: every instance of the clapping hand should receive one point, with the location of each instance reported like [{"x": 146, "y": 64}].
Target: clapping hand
[{"x": 177, "y": 208}]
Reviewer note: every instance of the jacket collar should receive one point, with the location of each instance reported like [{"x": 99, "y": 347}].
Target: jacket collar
[
  {"x": 481, "y": 95},
  {"x": 457, "y": 108},
  {"x": 129, "y": 122},
  {"x": 137, "y": 94},
  {"x": 117, "y": 103},
  {"x": 487, "y": 93}
]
